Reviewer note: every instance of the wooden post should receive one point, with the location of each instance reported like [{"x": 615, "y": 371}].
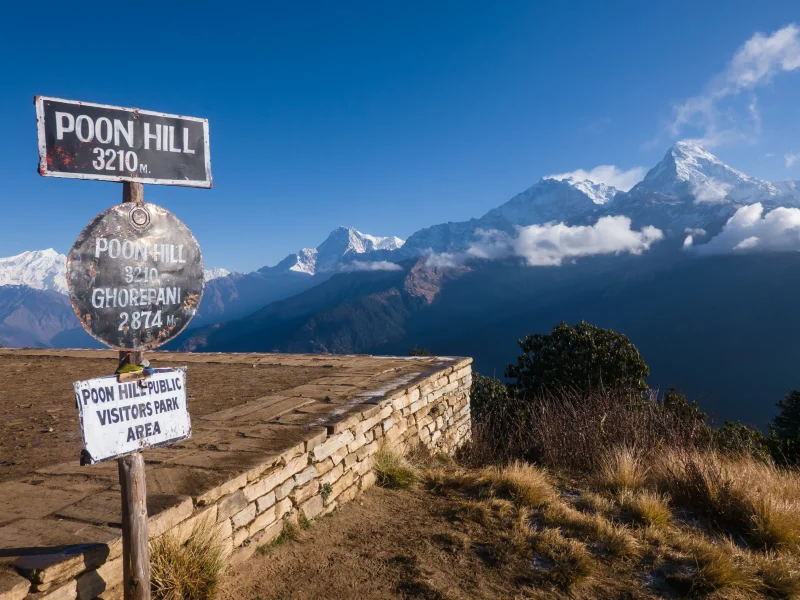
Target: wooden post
[{"x": 135, "y": 549}]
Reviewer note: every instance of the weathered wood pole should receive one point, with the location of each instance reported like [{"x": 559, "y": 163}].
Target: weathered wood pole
[{"x": 135, "y": 549}]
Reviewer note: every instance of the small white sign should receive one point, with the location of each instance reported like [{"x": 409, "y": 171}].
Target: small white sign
[{"x": 120, "y": 418}]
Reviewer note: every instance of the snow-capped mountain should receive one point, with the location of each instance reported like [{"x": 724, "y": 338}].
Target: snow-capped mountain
[
  {"x": 341, "y": 246},
  {"x": 39, "y": 269},
  {"x": 688, "y": 169},
  {"x": 688, "y": 188},
  {"x": 46, "y": 270},
  {"x": 562, "y": 200},
  {"x": 215, "y": 273},
  {"x": 692, "y": 188}
]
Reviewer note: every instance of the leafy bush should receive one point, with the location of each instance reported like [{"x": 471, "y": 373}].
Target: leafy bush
[
  {"x": 737, "y": 438},
  {"x": 583, "y": 357},
  {"x": 501, "y": 427},
  {"x": 785, "y": 430}
]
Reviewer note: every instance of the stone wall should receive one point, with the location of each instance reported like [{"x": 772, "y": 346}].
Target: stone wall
[{"x": 328, "y": 466}]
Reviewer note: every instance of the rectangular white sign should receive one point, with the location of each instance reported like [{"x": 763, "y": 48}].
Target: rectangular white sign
[{"x": 120, "y": 418}]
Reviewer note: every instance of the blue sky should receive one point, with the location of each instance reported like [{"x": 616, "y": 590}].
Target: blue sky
[{"x": 390, "y": 116}]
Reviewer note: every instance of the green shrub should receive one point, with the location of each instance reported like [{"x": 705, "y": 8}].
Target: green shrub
[
  {"x": 785, "y": 430},
  {"x": 737, "y": 438},
  {"x": 582, "y": 357}
]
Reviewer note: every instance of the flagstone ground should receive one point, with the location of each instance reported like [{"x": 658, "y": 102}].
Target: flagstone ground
[{"x": 274, "y": 436}]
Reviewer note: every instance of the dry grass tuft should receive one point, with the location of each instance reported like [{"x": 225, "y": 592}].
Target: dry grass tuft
[
  {"x": 571, "y": 562},
  {"x": 741, "y": 495},
  {"x": 775, "y": 522},
  {"x": 780, "y": 575},
  {"x": 646, "y": 507},
  {"x": 477, "y": 512},
  {"x": 594, "y": 503},
  {"x": 597, "y": 531},
  {"x": 526, "y": 484},
  {"x": 719, "y": 566},
  {"x": 190, "y": 569},
  {"x": 393, "y": 471},
  {"x": 621, "y": 468}
]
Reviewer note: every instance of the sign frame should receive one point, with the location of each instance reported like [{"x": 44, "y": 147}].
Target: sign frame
[{"x": 40, "y": 125}]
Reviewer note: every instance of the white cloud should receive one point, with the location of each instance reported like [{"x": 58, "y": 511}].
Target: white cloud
[
  {"x": 711, "y": 190},
  {"x": 553, "y": 243},
  {"x": 697, "y": 231},
  {"x": 749, "y": 228},
  {"x": 694, "y": 232},
  {"x": 445, "y": 259},
  {"x": 754, "y": 64},
  {"x": 375, "y": 265},
  {"x": 608, "y": 174},
  {"x": 790, "y": 159}
]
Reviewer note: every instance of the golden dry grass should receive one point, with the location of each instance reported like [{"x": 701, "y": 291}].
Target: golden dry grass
[
  {"x": 780, "y": 575},
  {"x": 190, "y": 569},
  {"x": 720, "y": 566},
  {"x": 571, "y": 561},
  {"x": 394, "y": 471},
  {"x": 741, "y": 495},
  {"x": 527, "y": 485},
  {"x": 671, "y": 511},
  {"x": 621, "y": 468},
  {"x": 594, "y": 529},
  {"x": 594, "y": 503},
  {"x": 646, "y": 508}
]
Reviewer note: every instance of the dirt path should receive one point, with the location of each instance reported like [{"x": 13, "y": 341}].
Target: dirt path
[{"x": 385, "y": 545}]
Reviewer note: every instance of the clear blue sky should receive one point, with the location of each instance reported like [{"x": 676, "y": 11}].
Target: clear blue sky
[{"x": 387, "y": 116}]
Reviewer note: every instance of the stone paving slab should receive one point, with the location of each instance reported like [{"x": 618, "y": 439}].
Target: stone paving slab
[
  {"x": 19, "y": 500},
  {"x": 64, "y": 518},
  {"x": 13, "y": 586},
  {"x": 52, "y": 549}
]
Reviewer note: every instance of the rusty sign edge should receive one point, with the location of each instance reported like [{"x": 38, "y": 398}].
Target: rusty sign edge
[
  {"x": 38, "y": 101},
  {"x": 144, "y": 347}
]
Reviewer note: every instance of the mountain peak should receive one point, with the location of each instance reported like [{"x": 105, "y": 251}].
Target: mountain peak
[
  {"x": 552, "y": 199},
  {"x": 688, "y": 169},
  {"x": 341, "y": 244},
  {"x": 39, "y": 269}
]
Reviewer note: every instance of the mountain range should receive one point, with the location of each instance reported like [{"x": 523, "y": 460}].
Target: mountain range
[{"x": 694, "y": 263}]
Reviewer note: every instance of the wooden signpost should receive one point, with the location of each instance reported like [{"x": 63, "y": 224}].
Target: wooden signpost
[{"x": 135, "y": 278}]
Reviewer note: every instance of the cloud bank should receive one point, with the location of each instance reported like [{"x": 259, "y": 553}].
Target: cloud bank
[
  {"x": 755, "y": 63},
  {"x": 375, "y": 265},
  {"x": 608, "y": 174},
  {"x": 553, "y": 243},
  {"x": 750, "y": 229}
]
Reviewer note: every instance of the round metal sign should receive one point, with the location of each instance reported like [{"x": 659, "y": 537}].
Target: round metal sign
[{"x": 135, "y": 276}]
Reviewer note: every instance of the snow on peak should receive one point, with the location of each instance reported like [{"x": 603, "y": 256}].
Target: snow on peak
[
  {"x": 599, "y": 193},
  {"x": 215, "y": 273},
  {"x": 306, "y": 261},
  {"x": 553, "y": 200},
  {"x": 39, "y": 269},
  {"x": 688, "y": 169},
  {"x": 342, "y": 244}
]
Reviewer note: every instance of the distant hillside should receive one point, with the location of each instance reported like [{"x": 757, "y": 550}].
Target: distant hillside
[
  {"x": 38, "y": 318},
  {"x": 722, "y": 328}
]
